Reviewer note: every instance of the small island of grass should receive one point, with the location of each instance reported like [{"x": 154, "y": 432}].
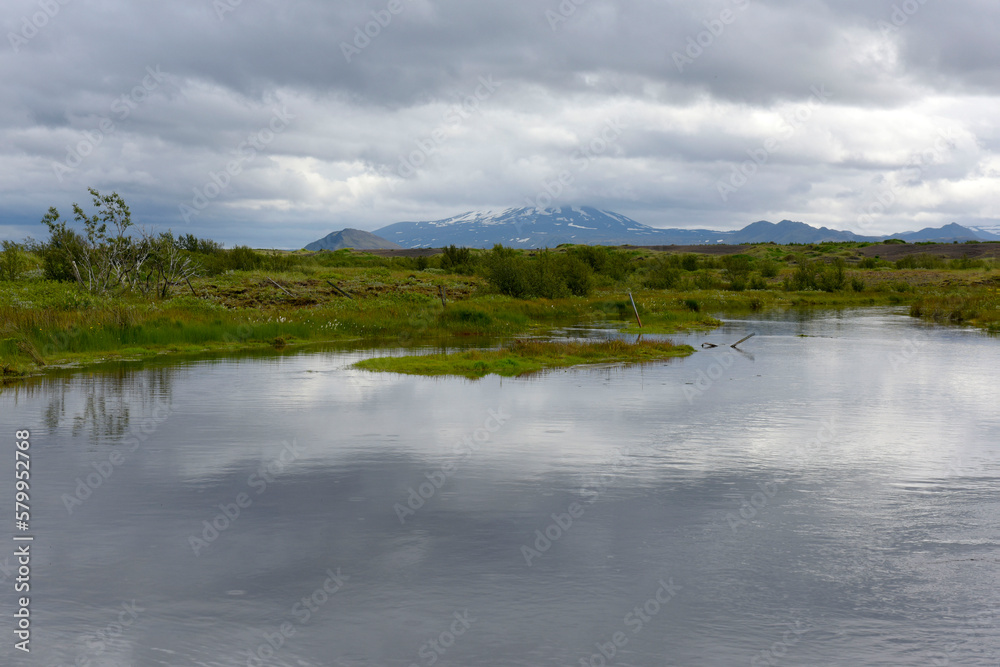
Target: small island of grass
[{"x": 527, "y": 356}]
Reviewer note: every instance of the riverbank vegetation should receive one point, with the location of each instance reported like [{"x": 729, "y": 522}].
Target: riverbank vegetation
[
  {"x": 103, "y": 289},
  {"x": 522, "y": 357}
]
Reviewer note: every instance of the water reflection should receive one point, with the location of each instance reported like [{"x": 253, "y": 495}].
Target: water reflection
[{"x": 827, "y": 498}]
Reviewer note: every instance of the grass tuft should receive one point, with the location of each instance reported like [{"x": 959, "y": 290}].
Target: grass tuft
[{"x": 524, "y": 356}]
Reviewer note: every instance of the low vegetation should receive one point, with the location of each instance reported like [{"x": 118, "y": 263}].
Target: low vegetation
[
  {"x": 522, "y": 357},
  {"x": 105, "y": 289}
]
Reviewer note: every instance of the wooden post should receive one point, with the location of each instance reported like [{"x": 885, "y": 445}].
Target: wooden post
[
  {"x": 635, "y": 309},
  {"x": 340, "y": 290},
  {"x": 443, "y": 293},
  {"x": 743, "y": 339},
  {"x": 191, "y": 286},
  {"x": 280, "y": 287}
]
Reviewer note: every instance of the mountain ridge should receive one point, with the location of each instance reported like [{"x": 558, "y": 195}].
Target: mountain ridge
[{"x": 537, "y": 228}]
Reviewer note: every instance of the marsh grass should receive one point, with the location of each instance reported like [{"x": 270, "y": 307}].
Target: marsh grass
[
  {"x": 979, "y": 308},
  {"x": 521, "y": 357},
  {"x": 45, "y": 322}
]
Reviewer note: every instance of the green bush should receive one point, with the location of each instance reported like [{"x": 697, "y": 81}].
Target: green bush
[
  {"x": 457, "y": 260},
  {"x": 13, "y": 261},
  {"x": 579, "y": 276},
  {"x": 963, "y": 263},
  {"x": 736, "y": 267},
  {"x": 689, "y": 262},
  {"x": 921, "y": 261},
  {"x": 548, "y": 274},
  {"x": 662, "y": 274},
  {"x": 768, "y": 268},
  {"x": 817, "y": 275},
  {"x": 243, "y": 258},
  {"x": 605, "y": 261},
  {"x": 706, "y": 280}
]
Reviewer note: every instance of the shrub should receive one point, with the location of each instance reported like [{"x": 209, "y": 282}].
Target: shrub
[
  {"x": 13, "y": 261},
  {"x": 768, "y": 268},
  {"x": 457, "y": 260},
  {"x": 736, "y": 267},
  {"x": 661, "y": 274},
  {"x": 689, "y": 262},
  {"x": 604, "y": 261},
  {"x": 548, "y": 275},
  {"x": 817, "y": 275},
  {"x": 921, "y": 261},
  {"x": 868, "y": 263},
  {"x": 705, "y": 280},
  {"x": 832, "y": 278},
  {"x": 578, "y": 275},
  {"x": 964, "y": 262}
]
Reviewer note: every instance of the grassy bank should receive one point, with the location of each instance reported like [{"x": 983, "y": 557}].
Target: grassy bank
[
  {"x": 522, "y": 357},
  {"x": 289, "y": 299}
]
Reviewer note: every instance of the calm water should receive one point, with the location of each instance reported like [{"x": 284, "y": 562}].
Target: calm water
[{"x": 831, "y": 497}]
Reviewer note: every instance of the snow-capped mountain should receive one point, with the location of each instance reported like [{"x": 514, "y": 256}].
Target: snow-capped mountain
[
  {"x": 549, "y": 227},
  {"x": 532, "y": 228},
  {"x": 987, "y": 233}
]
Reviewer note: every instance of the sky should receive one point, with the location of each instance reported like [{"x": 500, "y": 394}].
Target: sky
[{"x": 273, "y": 123}]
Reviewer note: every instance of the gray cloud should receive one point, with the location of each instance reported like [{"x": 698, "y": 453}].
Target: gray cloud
[{"x": 697, "y": 86}]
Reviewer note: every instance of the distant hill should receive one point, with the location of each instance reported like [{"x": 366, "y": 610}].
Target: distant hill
[
  {"x": 522, "y": 228},
  {"x": 540, "y": 228},
  {"x": 351, "y": 238},
  {"x": 946, "y": 234}
]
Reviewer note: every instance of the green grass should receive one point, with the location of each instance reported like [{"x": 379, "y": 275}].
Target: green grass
[
  {"x": 45, "y": 323},
  {"x": 527, "y": 356},
  {"x": 980, "y": 308}
]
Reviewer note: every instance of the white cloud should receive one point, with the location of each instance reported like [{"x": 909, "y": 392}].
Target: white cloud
[{"x": 411, "y": 96}]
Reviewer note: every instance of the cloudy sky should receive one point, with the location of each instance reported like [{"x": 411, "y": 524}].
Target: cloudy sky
[{"x": 273, "y": 123}]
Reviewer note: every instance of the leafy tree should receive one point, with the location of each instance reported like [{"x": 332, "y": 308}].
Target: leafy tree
[
  {"x": 100, "y": 259},
  {"x": 168, "y": 264}
]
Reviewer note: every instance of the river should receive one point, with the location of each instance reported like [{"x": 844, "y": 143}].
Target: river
[{"x": 826, "y": 496}]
